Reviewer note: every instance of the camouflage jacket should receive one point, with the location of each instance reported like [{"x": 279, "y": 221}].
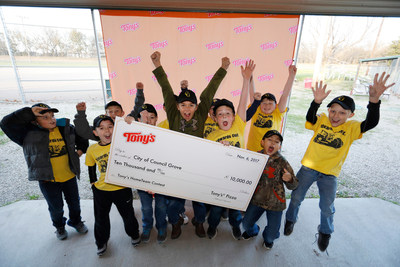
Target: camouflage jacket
[{"x": 270, "y": 192}]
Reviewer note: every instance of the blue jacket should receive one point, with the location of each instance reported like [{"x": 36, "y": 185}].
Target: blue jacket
[{"x": 34, "y": 140}]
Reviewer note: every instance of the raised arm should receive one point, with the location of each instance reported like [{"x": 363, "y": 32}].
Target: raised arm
[
  {"x": 375, "y": 91},
  {"x": 288, "y": 87},
  {"x": 139, "y": 101},
  {"x": 319, "y": 95},
  {"x": 247, "y": 72},
  {"x": 252, "y": 90},
  {"x": 82, "y": 127}
]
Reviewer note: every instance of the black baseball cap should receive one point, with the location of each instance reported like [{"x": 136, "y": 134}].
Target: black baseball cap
[
  {"x": 273, "y": 132},
  {"x": 223, "y": 102},
  {"x": 345, "y": 101},
  {"x": 268, "y": 96},
  {"x": 49, "y": 109},
  {"x": 113, "y": 103},
  {"x": 99, "y": 119},
  {"x": 187, "y": 95},
  {"x": 149, "y": 107}
]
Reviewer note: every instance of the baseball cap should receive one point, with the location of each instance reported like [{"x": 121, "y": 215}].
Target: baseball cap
[
  {"x": 49, "y": 109},
  {"x": 273, "y": 132},
  {"x": 345, "y": 101},
  {"x": 187, "y": 95},
  {"x": 149, "y": 107},
  {"x": 268, "y": 96},
  {"x": 99, "y": 119},
  {"x": 215, "y": 100},
  {"x": 223, "y": 102},
  {"x": 112, "y": 103}
]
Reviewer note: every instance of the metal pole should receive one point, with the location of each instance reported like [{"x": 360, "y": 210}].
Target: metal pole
[
  {"x": 10, "y": 52},
  {"x": 99, "y": 57},
  {"x": 296, "y": 53}
]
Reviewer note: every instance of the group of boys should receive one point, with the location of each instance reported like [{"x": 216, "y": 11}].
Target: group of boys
[{"x": 52, "y": 149}]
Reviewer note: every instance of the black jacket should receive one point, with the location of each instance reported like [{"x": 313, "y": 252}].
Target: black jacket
[{"x": 34, "y": 140}]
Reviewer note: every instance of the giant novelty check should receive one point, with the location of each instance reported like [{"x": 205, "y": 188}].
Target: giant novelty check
[{"x": 150, "y": 158}]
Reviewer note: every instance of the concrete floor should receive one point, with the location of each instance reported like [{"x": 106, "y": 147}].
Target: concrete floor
[{"x": 367, "y": 234}]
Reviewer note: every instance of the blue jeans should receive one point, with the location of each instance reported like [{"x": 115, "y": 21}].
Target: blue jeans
[
  {"x": 53, "y": 191},
  {"x": 327, "y": 185},
  {"x": 174, "y": 208},
  {"x": 235, "y": 217},
  {"x": 271, "y": 230},
  {"x": 199, "y": 210},
  {"x": 160, "y": 210}
]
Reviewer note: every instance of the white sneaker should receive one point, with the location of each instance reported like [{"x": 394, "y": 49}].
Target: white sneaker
[
  {"x": 185, "y": 218},
  {"x": 102, "y": 250}
]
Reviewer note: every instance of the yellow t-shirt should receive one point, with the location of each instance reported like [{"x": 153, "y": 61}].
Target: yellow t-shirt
[
  {"x": 98, "y": 154},
  {"x": 329, "y": 146},
  {"x": 59, "y": 157},
  {"x": 209, "y": 126},
  {"x": 164, "y": 124},
  {"x": 262, "y": 123},
  {"x": 235, "y": 135}
]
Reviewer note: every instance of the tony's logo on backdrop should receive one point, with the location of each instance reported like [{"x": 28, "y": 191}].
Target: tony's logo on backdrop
[
  {"x": 269, "y": 45},
  {"x": 139, "y": 138},
  {"x": 107, "y": 43},
  {"x": 215, "y": 45},
  {"x": 132, "y": 60},
  {"x": 155, "y": 13},
  {"x": 293, "y": 29},
  {"x": 158, "y": 44},
  {"x": 240, "y": 61},
  {"x": 243, "y": 28},
  {"x": 265, "y": 77},
  {"x": 186, "y": 61},
  {"x": 187, "y": 28},
  {"x": 213, "y": 14},
  {"x": 129, "y": 27}
]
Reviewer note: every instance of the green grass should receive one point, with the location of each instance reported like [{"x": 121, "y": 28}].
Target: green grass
[
  {"x": 32, "y": 197},
  {"x": 3, "y": 138}
]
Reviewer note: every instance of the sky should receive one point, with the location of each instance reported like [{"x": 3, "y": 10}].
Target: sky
[{"x": 81, "y": 19}]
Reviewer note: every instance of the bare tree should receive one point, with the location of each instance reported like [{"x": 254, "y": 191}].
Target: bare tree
[
  {"x": 51, "y": 43},
  {"x": 78, "y": 44}
]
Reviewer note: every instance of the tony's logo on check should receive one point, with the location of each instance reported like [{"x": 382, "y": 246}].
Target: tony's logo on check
[{"x": 140, "y": 138}]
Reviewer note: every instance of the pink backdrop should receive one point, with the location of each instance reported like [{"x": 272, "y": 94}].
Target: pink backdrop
[{"x": 191, "y": 46}]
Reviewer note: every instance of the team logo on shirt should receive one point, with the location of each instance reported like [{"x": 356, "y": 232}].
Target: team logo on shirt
[
  {"x": 103, "y": 165},
  {"x": 328, "y": 139},
  {"x": 263, "y": 122},
  {"x": 57, "y": 151}
]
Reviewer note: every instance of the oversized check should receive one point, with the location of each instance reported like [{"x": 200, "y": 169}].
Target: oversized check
[{"x": 151, "y": 158}]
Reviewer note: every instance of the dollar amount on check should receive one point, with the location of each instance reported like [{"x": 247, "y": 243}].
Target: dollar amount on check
[{"x": 154, "y": 159}]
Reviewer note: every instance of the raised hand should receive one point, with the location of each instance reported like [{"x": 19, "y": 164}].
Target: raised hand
[
  {"x": 257, "y": 96},
  {"x": 139, "y": 85},
  {"x": 319, "y": 92},
  {"x": 156, "y": 58},
  {"x": 379, "y": 87},
  {"x": 36, "y": 111},
  {"x": 81, "y": 106},
  {"x": 225, "y": 63},
  {"x": 292, "y": 70},
  {"x": 129, "y": 119},
  {"x": 247, "y": 71}
]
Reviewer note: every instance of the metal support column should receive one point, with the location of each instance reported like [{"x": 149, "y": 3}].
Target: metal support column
[
  {"x": 99, "y": 58},
  {"x": 10, "y": 52}
]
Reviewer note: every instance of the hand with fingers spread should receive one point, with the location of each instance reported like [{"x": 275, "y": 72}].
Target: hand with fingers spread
[
  {"x": 379, "y": 87},
  {"x": 320, "y": 92},
  {"x": 287, "y": 177},
  {"x": 247, "y": 71}
]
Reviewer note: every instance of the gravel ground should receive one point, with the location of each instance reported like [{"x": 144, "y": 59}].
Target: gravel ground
[{"x": 371, "y": 168}]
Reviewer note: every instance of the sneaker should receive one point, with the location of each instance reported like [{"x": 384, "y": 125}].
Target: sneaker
[
  {"x": 246, "y": 235},
  {"x": 185, "y": 218},
  {"x": 267, "y": 245},
  {"x": 323, "y": 241},
  {"x": 225, "y": 215},
  {"x": 101, "y": 250},
  {"x": 236, "y": 233},
  {"x": 161, "y": 236},
  {"x": 288, "y": 228},
  {"x": 211, "y": 232},
  {"x": 61, "y": 233},
  {"x": 145, "y": 237},
  {"x": 80, "y": 227},
  {"x": 176, "y": 230},
  {"x": 135, "y": 242}
]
